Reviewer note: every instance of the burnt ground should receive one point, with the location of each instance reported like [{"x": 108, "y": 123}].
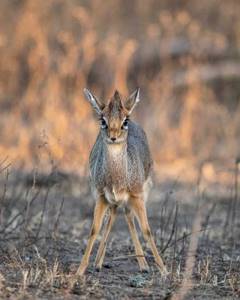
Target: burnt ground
[{"x": 45, "y": 221}]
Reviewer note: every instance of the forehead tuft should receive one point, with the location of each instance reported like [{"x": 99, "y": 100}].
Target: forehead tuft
[{"x": 115, "y": 106}]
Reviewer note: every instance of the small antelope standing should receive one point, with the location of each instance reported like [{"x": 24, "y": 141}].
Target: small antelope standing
[{"x": 120, "y": 171}]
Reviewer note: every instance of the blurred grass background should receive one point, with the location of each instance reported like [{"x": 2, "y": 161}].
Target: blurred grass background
[{"x": 184, "y": 55}]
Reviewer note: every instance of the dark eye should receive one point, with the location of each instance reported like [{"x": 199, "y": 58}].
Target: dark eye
[
  {"x": 103, "y": 124},
  {"x": 125, "y": 124}
]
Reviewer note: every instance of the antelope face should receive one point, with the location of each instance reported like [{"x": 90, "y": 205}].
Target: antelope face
[
  {"x": 114, "y": 116},
  {"x": 114, "y": 121}
]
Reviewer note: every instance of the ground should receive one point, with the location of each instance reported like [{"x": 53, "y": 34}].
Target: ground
[{"x": 45, "y": 221}]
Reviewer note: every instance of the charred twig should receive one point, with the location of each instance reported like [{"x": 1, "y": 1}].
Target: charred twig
[
  {"x": 210, "y": 212},
  {"x": 173, "y": 229},
  {"x": 4, "y": 230},
  {"x": 2, "y": 163},
  {"x": 163, "y": 224},
  {"x": 228, "y": 215},
  {"x": 175, "y": 244},
  {"x": 186, "y": 235},
  {"x": 2, "y": 199},
  {"x": 163, "y": 208},
  {"x": 42, "y": 215},
  {"x": 235, "y": 198},
  {"x": 168, "y": 220},
  {"x": 58, "y": 218}
]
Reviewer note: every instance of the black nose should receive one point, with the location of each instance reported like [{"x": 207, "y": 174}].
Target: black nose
[{"x": 113, "y": 139}]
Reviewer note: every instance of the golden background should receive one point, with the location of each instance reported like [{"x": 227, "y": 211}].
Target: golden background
[{"x": 184, "y": 55}]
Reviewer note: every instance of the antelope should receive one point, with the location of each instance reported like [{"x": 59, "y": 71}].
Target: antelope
[{"x": 120, "y": 173}]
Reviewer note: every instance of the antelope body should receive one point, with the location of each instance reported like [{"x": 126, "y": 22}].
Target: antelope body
[{"x": 120, "y": 171}]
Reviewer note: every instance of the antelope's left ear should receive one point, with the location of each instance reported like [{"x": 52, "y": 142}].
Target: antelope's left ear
[{"x": 132, "y": 101}]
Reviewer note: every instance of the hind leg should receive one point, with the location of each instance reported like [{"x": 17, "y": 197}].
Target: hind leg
[
  {"x": 138, "y": 206},
  {"x": 138, "y": 248}
]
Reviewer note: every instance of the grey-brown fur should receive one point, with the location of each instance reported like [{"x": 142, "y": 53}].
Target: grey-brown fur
[
  {"x": 132, "y": 168},
  {"x": 120, "y": 167}
]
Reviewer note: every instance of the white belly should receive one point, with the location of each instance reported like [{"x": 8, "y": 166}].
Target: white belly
[{"x": 116, "y": 197}]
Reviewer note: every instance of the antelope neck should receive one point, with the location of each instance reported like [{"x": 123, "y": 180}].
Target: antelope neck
[{"x": 116, "y": 163}]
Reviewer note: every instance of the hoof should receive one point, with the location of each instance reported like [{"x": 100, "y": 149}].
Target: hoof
[
  {"x": 98, "y": 268},
  {"x": 164, "y": 272},
  {"x": 145, "y": 270}
]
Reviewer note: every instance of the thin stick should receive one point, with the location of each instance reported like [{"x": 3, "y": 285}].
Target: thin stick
[
  {"x": 42, "y": 215},
  {"x": 235, "y": 199},
  {"x": 5, "y": 167},
  {"x": 173, "y": 229},
  {"x": 18, "y": 215},
  {"x": 58, "y": 218},
  {"x": 186, "y": 235}
]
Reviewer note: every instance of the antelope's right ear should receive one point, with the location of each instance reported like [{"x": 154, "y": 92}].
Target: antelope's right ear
[
  {"x": 132, "y": 101},
  {"x": 98, "y": 107}
]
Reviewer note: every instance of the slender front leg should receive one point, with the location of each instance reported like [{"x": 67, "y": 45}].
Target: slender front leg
[
  {"x": 138, "y": 248},
  {"x": 139, "y": 209},
  {"x": 102, "y": 247},
  {"x": 99, "y": 212}
]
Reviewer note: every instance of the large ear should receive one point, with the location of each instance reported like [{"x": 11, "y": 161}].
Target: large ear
[
  {"x": 98, "y": 107},
  {"x": 132, "y": 100}
]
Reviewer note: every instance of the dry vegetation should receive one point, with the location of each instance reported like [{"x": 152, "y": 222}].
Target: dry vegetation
[
  {"x": 43, "y": 235},
  {"x": 185, "y": 57}
]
